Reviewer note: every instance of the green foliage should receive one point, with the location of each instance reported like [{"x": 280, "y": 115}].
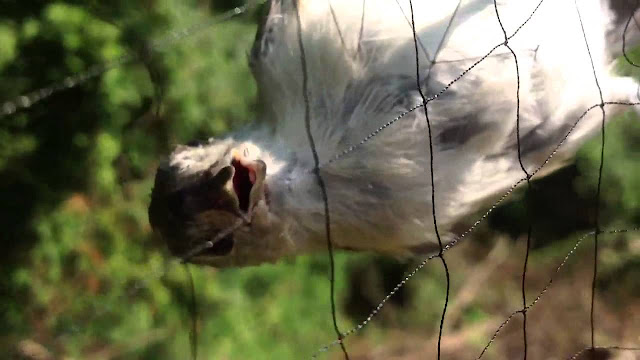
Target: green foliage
[{"x": 620, "y": 190}]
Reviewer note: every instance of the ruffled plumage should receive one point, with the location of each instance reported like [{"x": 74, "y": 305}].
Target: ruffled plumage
[{"x": 361, "y": 67}]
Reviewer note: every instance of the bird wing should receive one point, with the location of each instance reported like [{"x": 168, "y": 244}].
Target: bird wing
[{"x": 360, "y": 61}]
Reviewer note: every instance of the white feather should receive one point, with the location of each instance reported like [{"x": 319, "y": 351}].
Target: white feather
[{"x": 379, "y": 194}]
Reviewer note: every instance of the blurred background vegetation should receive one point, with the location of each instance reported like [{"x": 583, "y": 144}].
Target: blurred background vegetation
[{"x": 82, "y": 277}]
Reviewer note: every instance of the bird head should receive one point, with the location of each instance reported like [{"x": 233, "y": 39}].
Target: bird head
[{"x": 210, "y": 204}]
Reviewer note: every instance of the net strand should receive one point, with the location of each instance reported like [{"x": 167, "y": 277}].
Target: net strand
[
  {"x": 320, "y": 180},
  {"x": 431, "y": 175},
  {"x": 599, "y": 186},
  {"x": 527, "y": 176},
  {"x": 29, "y": 99},
  {"x": 524, "y": 293},
  {"x": 624, "y": 36}
]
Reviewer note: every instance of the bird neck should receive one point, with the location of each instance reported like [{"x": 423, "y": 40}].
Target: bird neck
[{"x": 295, "y": 200}]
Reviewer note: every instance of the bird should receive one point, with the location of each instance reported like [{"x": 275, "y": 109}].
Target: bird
[{"x": 356, "y": 69}]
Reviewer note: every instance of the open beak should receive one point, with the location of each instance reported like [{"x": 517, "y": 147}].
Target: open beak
[{"x": 248, "y": 182}]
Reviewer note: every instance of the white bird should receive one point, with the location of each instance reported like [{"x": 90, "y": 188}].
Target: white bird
[{"x": 255, "y": 195}]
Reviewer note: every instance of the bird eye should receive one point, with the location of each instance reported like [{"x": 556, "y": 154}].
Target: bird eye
[{"x": 222, "y": 247}]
